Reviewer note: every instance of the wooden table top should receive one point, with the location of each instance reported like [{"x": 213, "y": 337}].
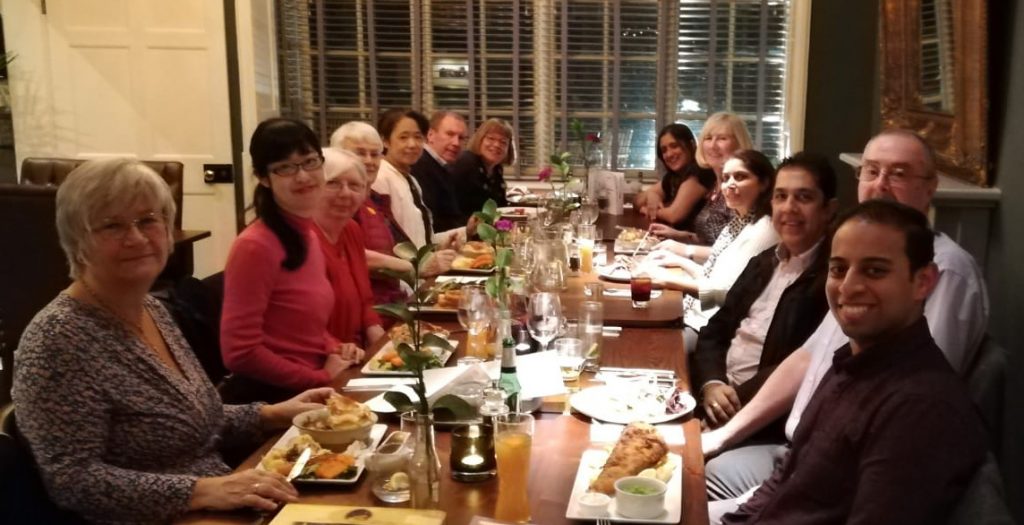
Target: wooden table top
[{"x": 559, "y": 442}]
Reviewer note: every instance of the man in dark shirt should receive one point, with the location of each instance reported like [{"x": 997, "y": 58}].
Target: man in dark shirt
[
  {"x": 445, "y": 139},
  {"x": 890, "y": 435}
]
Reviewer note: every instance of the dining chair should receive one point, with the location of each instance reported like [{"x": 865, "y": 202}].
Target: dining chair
[{"x": 23, "y": 497}]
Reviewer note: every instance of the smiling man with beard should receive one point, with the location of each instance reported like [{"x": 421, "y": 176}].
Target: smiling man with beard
[{"x": 890, "y": 434}]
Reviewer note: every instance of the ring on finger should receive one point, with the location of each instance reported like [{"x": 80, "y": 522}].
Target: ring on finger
[
  {"x": 714, "y": 405},
  {"x": 255, "y": 487}
]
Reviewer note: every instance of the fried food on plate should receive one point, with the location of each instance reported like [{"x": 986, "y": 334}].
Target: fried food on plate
[{"x": 640, "y": 447}]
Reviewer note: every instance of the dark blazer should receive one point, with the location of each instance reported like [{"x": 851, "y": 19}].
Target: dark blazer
[
  {"x": 801, "y": 308},
  {"x": 474, "y": 185},
  {"x": 438, "y": 193}
]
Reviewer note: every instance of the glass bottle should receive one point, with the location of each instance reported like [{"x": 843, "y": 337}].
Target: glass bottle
[
  {"x": 509, "y": 379},
  {"x": 424, "y": 466}
]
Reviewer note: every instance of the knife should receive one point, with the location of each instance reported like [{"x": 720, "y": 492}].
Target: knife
[{"x": 299, "y": 464}]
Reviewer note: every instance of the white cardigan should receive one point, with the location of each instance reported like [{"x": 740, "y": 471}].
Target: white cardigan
[
  {"x": 752, "y": 240},
  {"x": 391, "y": 182}
]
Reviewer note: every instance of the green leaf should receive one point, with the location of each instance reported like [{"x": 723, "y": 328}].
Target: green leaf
[
  {"x": 484, "y": 218},
  {"x": 486, "y": 232},
  {"x": 395, "y": 310},
  {"x": 490, "y": 208},
  {"x": 425, "y": 250},
  {"x": 405, "y": 251},
  {"x": 434, "y": 340},
  {"x": 492, "y": 286},
  {"x": 400, "y": 401},
  {"x": 453, "y": 408},
  {"x": 503, "y": 257},
  {"x": 405, "y": 277}
]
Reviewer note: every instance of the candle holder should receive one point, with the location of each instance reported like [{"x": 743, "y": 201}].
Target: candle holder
[{"x": 472, "y": 457}]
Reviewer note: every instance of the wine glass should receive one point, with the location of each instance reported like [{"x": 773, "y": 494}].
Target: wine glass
[
  {"x": 475, "y": 310},
  {"x": 545, "y": 319}
]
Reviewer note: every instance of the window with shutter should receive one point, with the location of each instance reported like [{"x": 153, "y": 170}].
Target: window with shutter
[{"x": 623, "y": 67}]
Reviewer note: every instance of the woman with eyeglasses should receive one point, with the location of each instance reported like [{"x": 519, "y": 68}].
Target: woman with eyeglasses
[
  {"x": 277, "y": 299},
  {"x": 123, "y": 423},
  {"x": 353, "y": 320},
  {"x": 479, "y": 171}
]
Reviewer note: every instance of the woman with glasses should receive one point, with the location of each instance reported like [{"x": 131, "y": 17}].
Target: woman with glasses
[
  {"x": 381, "y": 231},
  {"x": 353, "y": 320},
  {"x": 123, "y": 422},
  {"x": 479, "y": 171},
  {"x": 277, "y": 299}
]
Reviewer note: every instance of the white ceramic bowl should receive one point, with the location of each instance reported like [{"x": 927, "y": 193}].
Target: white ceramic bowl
[
  {"x": 650, "y": 504},
  {"x": 336, "y": 440}
]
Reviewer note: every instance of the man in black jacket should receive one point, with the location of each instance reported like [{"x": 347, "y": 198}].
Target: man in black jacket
[
  {"x": 445, "y": 139},
  {"x": 778, "y": 300}
]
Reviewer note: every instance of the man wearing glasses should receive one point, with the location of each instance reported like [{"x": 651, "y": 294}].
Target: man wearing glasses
[{"x": 897, "y": 165}]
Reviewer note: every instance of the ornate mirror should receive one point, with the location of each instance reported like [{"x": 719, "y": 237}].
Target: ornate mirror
[{"x": 934, "y": 79}]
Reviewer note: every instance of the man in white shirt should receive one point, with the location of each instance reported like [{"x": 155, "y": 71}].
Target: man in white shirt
[{"x": 896, "y": 165}]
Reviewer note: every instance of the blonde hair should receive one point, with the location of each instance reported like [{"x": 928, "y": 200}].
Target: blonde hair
[
  {"x": 732, "y": 124},
  {"x": 356, "y": 131},
  {"x": 501, "y": 126},
  {"x": 101, "y": 185}
]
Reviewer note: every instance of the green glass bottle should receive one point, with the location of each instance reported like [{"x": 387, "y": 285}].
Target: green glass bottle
[{"x": 508, "y": 380}]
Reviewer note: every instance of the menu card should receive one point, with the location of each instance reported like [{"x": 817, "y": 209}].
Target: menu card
[
  {"x": 610, "y": 184},
  {"x": 328, "y": 514}
]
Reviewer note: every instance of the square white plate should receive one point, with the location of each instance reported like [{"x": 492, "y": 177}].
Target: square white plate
[
  {"x": 376, "y": 433},
  {"x": 443, "y": 355},
  {"x": 590, "y": 466}
]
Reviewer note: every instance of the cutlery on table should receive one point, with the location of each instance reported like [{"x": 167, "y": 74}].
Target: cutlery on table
[{"x": 299, "y": 464}]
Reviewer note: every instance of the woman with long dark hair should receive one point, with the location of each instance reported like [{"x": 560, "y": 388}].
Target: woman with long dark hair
[
  {"x": 677, "y": 199},
  {"x": 277, "y": 299}
]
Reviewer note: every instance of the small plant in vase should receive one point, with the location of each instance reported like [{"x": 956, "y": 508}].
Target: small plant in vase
[{"x": 495, "y": 231}]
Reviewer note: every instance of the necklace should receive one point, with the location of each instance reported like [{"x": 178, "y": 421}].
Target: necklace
[{"x": 134, "y": 327}]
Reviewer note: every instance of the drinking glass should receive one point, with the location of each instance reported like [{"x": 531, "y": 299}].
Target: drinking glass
[
  {"x": 387, "y": 465},
  {"x": 640, "y": 288},
  {"x": 545, "y": 319},
  {"x": 589, "y": 210},
  {"x": 585, "y": 236},
  {"x": 548, "y": 276},
  {"x": 570, "y": 357},
  {"x": 475, "y": 312},
  {"x": 513, "y": 438},
  {"x": 591, "y": 322}
]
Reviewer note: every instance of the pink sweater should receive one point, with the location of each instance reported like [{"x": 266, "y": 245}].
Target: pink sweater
[{"x": 274, "y": 322}]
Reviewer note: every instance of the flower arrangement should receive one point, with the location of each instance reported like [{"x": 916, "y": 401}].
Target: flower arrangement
[
  {"x": 495, "y": 230},
  {"x": 562, "y": 161}
]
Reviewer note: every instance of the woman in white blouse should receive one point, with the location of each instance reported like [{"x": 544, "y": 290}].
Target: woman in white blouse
[
  {"x": 747, "y": 180},
  {"x": 403, "y": 131}
]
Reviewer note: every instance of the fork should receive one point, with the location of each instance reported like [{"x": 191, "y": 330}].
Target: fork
[{"x": 604, "y": 521}]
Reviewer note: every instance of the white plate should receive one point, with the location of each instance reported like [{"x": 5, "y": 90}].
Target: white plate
[
  {"x": 627, "y": 247},
  {"x": 517, "y": 212},
  {"x": 444, "y": 356},
  {"x": 606, "y": 403},
  {"x": 376, "y": 433},
  {"x": 590, "y": 466}
]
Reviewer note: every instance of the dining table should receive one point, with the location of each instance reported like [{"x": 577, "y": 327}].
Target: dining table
[{"x": 650, "y": 338}]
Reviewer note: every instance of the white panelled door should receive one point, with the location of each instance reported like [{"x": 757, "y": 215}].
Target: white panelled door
[{"x": 148, "y": 79}]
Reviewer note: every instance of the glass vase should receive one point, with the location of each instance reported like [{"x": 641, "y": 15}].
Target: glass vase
[{"x": 424, "y": 466}]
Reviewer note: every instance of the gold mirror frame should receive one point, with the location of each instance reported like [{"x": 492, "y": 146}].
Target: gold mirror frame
[{"x": 959, "y": 139}]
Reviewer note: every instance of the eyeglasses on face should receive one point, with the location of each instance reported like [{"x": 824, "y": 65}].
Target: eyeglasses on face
[
  {"x": 497, "y": 139},
  {"x": 288, "y": 169},
  {"x": 897, "y": 176},
  {"x": 115, "y": 229},
  {"x": 335, "y": 185}
]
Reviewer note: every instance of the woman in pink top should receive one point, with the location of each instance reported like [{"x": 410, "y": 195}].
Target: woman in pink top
[{"x": 277, "y": 299}]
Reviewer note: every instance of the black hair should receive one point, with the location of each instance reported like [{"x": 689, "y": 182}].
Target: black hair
[
  {"x": 918, "y": 235},
  {"x": 756, "y": 163},
  {"x": 819, "y": 168},
  {"x": 672, "y": 180},
  {"x": 275, "y": 140},
  {"x": 389, "y": 120}
]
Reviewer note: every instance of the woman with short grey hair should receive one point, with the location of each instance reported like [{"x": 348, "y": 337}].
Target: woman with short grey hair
[{"x": 123, "y": 422}]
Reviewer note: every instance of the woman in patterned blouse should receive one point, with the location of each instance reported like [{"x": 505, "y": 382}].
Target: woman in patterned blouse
[{"x": 121, "y": 419}]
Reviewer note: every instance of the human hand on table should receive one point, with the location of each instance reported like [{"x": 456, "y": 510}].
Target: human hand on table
[
  {"x": 280, "y": 415},
  {"x": 258, "y": 489},
  {"x": 720, "y": 402},
  {"x": 665, "y": 231},
  {"x": 651, "y": 207},
  {"x": 439, "y": 262},
  {"x": 665, "y": 258}
]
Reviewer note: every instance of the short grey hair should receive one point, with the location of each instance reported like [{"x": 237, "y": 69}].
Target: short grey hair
[
  {"x": 338, "y": 160},
  {"x": 356, "y": 131},
  {"x": 100, "y": 185}
]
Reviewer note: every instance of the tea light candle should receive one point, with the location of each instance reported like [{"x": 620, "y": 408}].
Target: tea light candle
[{"x": 472, "y": 457}]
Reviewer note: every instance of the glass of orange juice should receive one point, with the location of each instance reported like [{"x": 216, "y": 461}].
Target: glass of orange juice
[
  {"x": 585, "y": 238},
  {"x": 512, "y": 441}
]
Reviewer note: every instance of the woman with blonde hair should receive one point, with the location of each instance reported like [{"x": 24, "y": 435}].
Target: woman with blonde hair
[
  {"x": 122, "y": 421},
  {"x": 479, "y": 171},
  {"x": 723, "y": 134}
]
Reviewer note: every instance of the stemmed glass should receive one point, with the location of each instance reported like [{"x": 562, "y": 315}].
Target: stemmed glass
[
  {"x": 545, "y": 319},
  {"x": 588, "y": 210},
  {"x": 475, "y": 311}
]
